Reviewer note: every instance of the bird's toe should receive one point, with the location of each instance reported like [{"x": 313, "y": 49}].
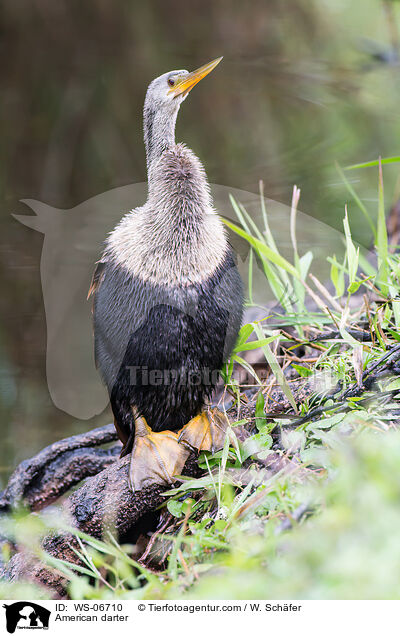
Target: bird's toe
[{"x": 205, "y": 432}]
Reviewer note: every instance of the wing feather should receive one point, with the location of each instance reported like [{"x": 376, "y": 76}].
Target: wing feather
[{"x": 96, "y": 278}]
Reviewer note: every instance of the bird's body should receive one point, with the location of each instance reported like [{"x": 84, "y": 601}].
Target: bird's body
[{"x": 168, "y": 296}]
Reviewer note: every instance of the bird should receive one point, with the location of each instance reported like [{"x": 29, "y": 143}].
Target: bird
[{"x": 167, "y": 302}]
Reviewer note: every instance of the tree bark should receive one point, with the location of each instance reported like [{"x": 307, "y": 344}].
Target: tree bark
[{"x": 38, "y": 481}]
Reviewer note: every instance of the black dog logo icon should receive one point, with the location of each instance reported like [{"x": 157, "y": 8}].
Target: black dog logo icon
[{"x": 26, "y": 615}]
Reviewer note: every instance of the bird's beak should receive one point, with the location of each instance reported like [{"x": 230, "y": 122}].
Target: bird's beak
[{"x": 187, "y": 82}]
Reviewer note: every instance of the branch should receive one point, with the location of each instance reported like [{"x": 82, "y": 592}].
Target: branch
[{"x": 38, "y": 481}]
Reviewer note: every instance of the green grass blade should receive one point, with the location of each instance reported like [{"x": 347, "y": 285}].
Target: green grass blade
[
  {"x": 268, "y": 234},
  {"x": 247, "y": 366},
  {"x": 267, "y": 257},
  {"x": 356, "y": 199},
  {"x": 270, "y": 241},
  {"x": 276, "y": 369},
  {"x": 254, "y": 344},
  {"x": 382, "y": 239},
  {"x": 244, "y": 334},
  {"x": 239, "y": 213},
  {"x": 250, "y": 277},
  {"x": 375, "y": 162},
  {"x": 263, "y": 250},
  {"x": 352, "y": 253}
]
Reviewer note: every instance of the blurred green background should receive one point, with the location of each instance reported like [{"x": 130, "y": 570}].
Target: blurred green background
[{"x": 303, "y": 84}]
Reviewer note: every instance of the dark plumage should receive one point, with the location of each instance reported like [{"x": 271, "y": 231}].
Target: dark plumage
[
  {"x": 189, "y": 331},
  {"x": 168, "y": 297}
]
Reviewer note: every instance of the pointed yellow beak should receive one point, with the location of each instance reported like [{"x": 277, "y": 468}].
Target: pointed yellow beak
[{"x": 185, "y": 84}]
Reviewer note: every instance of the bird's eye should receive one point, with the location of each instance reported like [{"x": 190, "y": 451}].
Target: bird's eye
[{"x": 171, "y": 82}]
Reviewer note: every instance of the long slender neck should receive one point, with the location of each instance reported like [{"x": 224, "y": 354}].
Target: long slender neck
[
  {"x": 159, "y": 133},
  {"x": 179, "y": 199},
  {"x": 178, "y": 192}
]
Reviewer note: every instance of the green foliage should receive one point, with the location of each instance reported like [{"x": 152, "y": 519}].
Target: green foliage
[{"x": 349, "y": 549}]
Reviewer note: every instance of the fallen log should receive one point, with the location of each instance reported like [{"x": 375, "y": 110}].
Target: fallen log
[
  {"x": 42, "y": 479},
  {"x": 103, "y": 503}
]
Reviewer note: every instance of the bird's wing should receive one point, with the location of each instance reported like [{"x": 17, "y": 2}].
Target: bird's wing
[
  {"x": 94, "y": 286},
  {"x": 96, "y": 278}
]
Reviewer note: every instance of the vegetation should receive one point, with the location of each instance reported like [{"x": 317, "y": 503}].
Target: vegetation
[{"x": 307, "y": 506}]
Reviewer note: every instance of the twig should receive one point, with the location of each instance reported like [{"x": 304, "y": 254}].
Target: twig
[
  {"x": 304, "y": 510},
  {"x": 154, "y": 538}
]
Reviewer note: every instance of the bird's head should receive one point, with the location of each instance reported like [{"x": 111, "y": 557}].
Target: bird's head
[
  {"x": 168, "y": 91},
  {"x": 163, "y": 98}
]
